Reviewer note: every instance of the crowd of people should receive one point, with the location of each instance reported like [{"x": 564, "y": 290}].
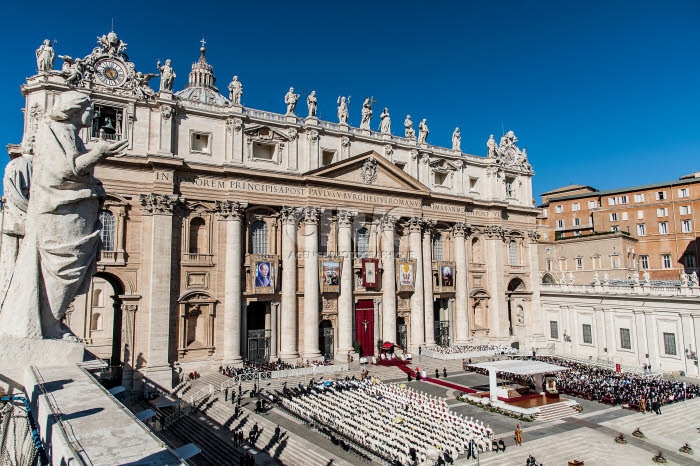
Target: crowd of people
[
  {"x": 607, "y": 386},
  {"x": 252, "y": 367},
  {"x": 400, "y": 425},
  {"x": 456, "y": 349}
]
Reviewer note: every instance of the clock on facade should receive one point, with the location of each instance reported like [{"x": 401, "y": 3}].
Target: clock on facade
[
  {"x": 110, "y": 72},
  {"x": 510, "y": 155}
]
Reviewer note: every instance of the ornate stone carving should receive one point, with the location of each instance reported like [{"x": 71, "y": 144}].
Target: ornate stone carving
[
  {"x": 409, "y": 133},
  {"x": 131, "y": 307},
  {"x": 423, "y": 131},
  {"x": 232, "y": 210},
  {"x": 366, "y": 113},
  {"x": 456, "y": 139},
  {"x": 491, "y": 148},
  {"x": 387, "y": 222},
  {"x": 385, "y": 126},
  {"x": 415, "y": 224},
  {"x": 290, "y": 98},
  {"x": 290, "y": 215},
  {"x": 292, "y": 133},
  {"x": 345, "y": 141},
  {"x": 414, "y": 154},
  {"x": 312, "y": 136},
  {"x": 388, "y": 151},
  {"x": 343, "y": 112},
  {"x": 312, "y": 104},
  {"x": 346, "y": 217},
  {"x": 167, "y": 111},
  {"x": 45, "y": 57},
  {"x": 534, "y": 235},
  {"x": 153, "y": 204},
  {"x": 310, "y": 214},
  {"x": 369, "y": 171},
  {"x": 493, "y": 231},
  {"x": 235, "y": 91},
  {"x": 461, "y": 229}
]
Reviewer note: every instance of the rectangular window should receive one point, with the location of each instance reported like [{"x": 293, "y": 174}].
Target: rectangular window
[
  {"x": 640, "y": 214},
  {"x": 579, "y": 262},
  {"x": 666, "y": 260},
  {"x": 644, "y": 261},
  {"x": 623, "y": 199},
  {"x": 327, "y": 157},
  {"x": 641, "y": 230},
  {"x": 437, "y": 249},
  {"x": 473, "y": 185},
  {"x": 683, "y": 192},
  {"x": 689, "y": 260},
  {"x": 513, "y": 253},
  {"x": 684, "y": 210},
  {"x": 576, "y": 207},
  {"x": 510, "y": 191},
  {"x": 262, "y": 151},
  {"x": 592, "y": 204},
  {"x": 663, "y": 228},
  {"x": 686, "y": 226},
  {"x": 554, "y": 329},
  {"x": 613, "y": 217},
  {"x": 670, "y": 343},
  {"x": 441, "y": 179},
  {"x": 577, "y": 222},
  {"x": 616, "y": 262},
  {"x": 200, "y": 143},
  {"x": 625, "y": 216},
  {"x": 549, "y": 265},
  {"x": 612, "y": 201},
  {"x": 615, "y": 228},
  {"x": 323, "y": 245},
  {"x": 560, "y": 224},
  {"x": 625, "y": 340},
  {"x": 662, "y": 212},
  {"x": 577, "y": 233},
  {"x": 402, "y": 167},
  {"x": 587, "y": 335},
  {"x": 559, "y": 209},
  {"x": 639, "y": 198},
  {"x": 660, "y": 195}
]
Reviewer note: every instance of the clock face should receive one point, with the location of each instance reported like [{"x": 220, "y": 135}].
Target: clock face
[
  {"x": 110, "y": 72},
  {"x": 510, "y": 155}
]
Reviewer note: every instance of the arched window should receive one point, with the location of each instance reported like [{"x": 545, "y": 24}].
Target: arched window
[
  {"x": 96, "y": 321},
  {"x": 437, "y": 248},
  {"x": 476, "y": 251},
  {"x": 97, "y": 298},
  {"x": 258, "y": 237},
  {"x": 198, "y": 236},
  {"x": 107, "y": 230},
  {"x": 513, "y": 253},
  {"x": 362, "y": 243}
]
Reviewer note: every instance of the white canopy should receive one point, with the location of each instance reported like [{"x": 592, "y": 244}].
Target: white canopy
[{"x": 520, "y": 366}]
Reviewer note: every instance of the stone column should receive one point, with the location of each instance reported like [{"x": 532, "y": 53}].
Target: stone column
[
  {"x": 345, "y": 298},
  {"x": 274, "y": 305},
  {"x": 288, "y": 340},
  {"x": 159, "y": 207},
  {"x": 498, "y": 311},
  {"x": 231, "y": 213},
  {"x": 311, "y": 283},
  {"x": 387, "y": 224},
  {"x": 459, "y": 232},
  {"x": 428, "y": 298},
  {"x": 415, "y": 226}
]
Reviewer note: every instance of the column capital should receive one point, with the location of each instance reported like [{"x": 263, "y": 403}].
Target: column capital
[
  {"x": 290, "y": 215},
  {"x": 387, "y": 222},
  {"x": 158, "y": 204},
  {"x": 534, "y": 235},
  {"x": 345, "y": 217},
  {"x": 415, "y": 224},
  {"x": 230, "y": 210},
  {"x": 461, "y": 230},
  {"x": 274, "y": 303},
  {"x": 310, "y": 215},
  {"x": 493, "y": 231}
]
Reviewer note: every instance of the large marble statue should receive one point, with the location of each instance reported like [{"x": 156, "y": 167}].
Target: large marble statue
[
  {"x": 385, "y": 126},
  {"x": 57, "y": 257},
  {"x": 492, "y": 147},
  {"x": 456, "y": 139},
  {"x": 343, "y": 112},
  {"x": 167, "y": 76},
  {"x": 366, "y": 113},
  {"x": 423, "y": 131},
  {"x": 408, "y": 124},
  {"x": 235, "y": 91},
  {"x": 312, "y": 103},
  {"x": 141, "y": 87},
  {"x": 72, "y": 70},
  {"x": 290, "y": 98},
  {"x": 45, "y": 57}
]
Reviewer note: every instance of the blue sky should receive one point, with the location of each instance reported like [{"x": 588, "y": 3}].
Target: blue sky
[{"x": 601, "y": 93}]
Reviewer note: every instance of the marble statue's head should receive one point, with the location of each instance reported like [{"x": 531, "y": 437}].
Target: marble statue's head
[
  {"x": 291, "y": 89},
  {"x": 47, "y": 42},
  {"x": 408, "y": 117},
  {"x": 72, "y": 106},
  {"x": 168, "y": 62},
  {"x": 235, "y": 78}
]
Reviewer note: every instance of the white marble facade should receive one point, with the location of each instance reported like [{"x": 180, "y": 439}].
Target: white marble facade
[{"x": 207, "y": 189}]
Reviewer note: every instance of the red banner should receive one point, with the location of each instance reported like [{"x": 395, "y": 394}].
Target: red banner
[{"x": 370, "y": 273}]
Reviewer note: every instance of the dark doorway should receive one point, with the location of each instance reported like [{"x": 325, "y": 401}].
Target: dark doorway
[
  {"x": 258, "y": 338},
  {"x": 401, "y": 338},
  {"x": 325, "y": 339},
  {"x": 442, "y": 323},
  {"x": 364, "y": 326}
]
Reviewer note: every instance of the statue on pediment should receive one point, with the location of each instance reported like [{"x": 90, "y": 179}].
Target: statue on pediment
[
  {"x": 423, "y": 130},
  {"x": 492, "y": 148},
  {"x": 45, "y": 57},
  {"x": 456, "y": 139},
  {"x": 290, "y": 98},
  {"x": 235, "y": 89},
  {"x": 385, "y": 126},
  {"x": 366, "y": 113},
  {"x": 312, "y": 103},
  {"x": 343, "y": 112},
  {"x": 111, "y": 44},
  {"x": 72, "y": 70},
  {"x": 408, "y": 124},
  {"x": 647, "y": 277},
  {"x": 694, "y": 279},
  {"x": 167, "y": 75},
  {"x": 141, "y": 87}
]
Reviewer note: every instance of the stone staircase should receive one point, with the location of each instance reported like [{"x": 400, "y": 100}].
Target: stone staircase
[{"x": 555, "y": 411}]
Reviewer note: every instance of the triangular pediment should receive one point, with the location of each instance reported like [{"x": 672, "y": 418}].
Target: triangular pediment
[
  {"x": 265, "y": 133},
  {"x": 369, "y": 170}
]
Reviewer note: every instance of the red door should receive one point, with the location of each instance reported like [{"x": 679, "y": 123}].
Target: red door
[{"x": 364, "y": 326}]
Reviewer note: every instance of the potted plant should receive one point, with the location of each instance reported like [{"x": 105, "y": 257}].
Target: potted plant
[
  {"x": 638, "y": 433},
  {"x": 621, "y": 439},
  {"x": 686, "y": 449}
]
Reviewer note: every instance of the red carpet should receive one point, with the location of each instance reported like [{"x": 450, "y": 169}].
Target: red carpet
[{"x": 404, "y": 367}]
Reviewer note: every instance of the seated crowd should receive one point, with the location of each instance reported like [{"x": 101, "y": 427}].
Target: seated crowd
[
  {"x": 397, "y": 424},
  {"x": 455, "y": 349},
  {"x": 608, "y": 386},
  {"x": 251, "y": 367}
]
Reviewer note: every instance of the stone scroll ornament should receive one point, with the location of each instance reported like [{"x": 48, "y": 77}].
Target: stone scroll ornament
[{"x": 57, "y": 258}]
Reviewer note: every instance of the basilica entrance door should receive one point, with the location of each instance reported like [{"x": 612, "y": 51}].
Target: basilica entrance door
[
  {"x": 401, "y": 338},
  {"x": 258, "y": 337},
  {"x": 442, "y": 324},
  {"x": 325, "y": 339},
  {"x": 364, "y": 326}
]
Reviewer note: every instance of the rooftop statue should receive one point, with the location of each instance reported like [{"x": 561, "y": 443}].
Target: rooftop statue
[
  {"x": 72, "y": 70},
  {"x": 366, "y": 113},
  {"x": 423, "y": 131},
  {"x": 408, "y": 124},
  {"x": 456, "y": 139},
  {"x": 385, "y": 126},
  {"x": 235, "y": 89},
  {"x": 167, "y": 75},
  {"x": 111, "y": 44},
  {"x": 343, "y": 112},
  {"x": 141, "y": 87},
  {"x": 45, "y": 57},
  {"x": 312, "y": 103},
  {"x": 492, "y": 147},
  {"x": 290, "y": 98},
  {"x": 57, "y": 258}
]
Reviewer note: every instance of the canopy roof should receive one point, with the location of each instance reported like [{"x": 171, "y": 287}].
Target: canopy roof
[
  {"x": 520, "y": 366},
  {"x": 388, "y": 345}
]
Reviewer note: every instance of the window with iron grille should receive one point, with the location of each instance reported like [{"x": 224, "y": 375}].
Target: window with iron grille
[
  {"x": 670, "y": 343},
  {"x": 107, "y": 231},
  {"x": 625, "y": 340},
  {"x": 554, "y": 329},
  {"x": 437, "y": 248},
  {"x": 362, "y": 243},
  {"x": 587, "y": 335},
  {"x": 513, "y": 253},
  {"x": 258, "y": 237}
]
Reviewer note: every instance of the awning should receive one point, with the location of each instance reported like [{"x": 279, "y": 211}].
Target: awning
[
  {"x": 164, "y": 401},
  {"x": 520, "y": 366},
  {"x": 388, "y": 345}
]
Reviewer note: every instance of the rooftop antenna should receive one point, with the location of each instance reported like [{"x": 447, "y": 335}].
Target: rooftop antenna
[{"x": 112, "y": 25}]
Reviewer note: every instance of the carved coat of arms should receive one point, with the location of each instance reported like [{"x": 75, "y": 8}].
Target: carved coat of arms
[{"x": 369, "y": 171}]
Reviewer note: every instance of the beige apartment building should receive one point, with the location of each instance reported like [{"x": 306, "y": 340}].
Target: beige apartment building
[{"x": 651, "y": 228}]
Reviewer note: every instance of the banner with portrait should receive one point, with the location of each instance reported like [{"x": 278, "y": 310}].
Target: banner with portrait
[
  {"x": 264, "y": 271},
  {"x": 330, "y": 269},
  {"x": 370, "y": 273},
  {"x": 405, "y": 275},
  {"x": 446, "y": 272}
]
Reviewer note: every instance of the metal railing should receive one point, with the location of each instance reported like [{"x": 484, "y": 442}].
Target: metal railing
[{"x": 302, "y": 371}]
